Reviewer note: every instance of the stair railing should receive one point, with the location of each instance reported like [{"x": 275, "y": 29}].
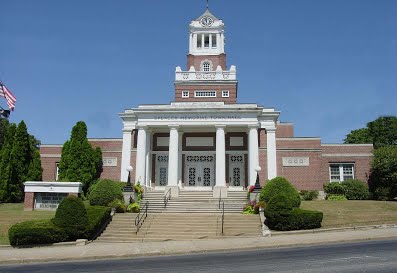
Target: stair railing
[
  {"x": 223, "y": 215},
  {"x": 140, "y": 218},
  {"x": 220, "y": 199},
  {"x": 167, "y": 197}
]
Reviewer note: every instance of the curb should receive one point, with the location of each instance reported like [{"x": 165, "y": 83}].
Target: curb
[{"x": 278, "y": 233}]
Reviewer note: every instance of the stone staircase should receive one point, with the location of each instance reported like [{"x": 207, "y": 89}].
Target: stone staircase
[
  {"x": 180, "y": 226},
  {"x": 191, "y": 216},
  {"x": 195, "y": 202}
]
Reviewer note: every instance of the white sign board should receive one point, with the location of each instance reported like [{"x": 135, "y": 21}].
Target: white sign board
[{"x": 109, "y": 161}]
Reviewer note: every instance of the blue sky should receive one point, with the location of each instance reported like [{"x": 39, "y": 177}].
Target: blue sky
[{"x": 329, "y": 66}]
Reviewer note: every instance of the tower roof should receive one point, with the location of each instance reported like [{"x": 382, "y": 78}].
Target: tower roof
[{"x": 207, "y": 13}]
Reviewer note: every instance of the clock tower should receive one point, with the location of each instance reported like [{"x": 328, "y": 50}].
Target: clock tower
[{"x": 207, "y": 77}]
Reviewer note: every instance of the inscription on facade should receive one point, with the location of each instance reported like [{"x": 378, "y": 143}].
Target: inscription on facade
[
  {"x": 198, "y": 117},
  {"x": 109, "y": 161},
  {"x": 295, "y": 161}
]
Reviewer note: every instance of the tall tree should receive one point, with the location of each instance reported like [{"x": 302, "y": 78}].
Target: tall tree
[
  {"x": 79, "y": 161},
  {"x": 20, "y": 159},
  {"x": 19, "y": 162},
  {"x": 383, "y": 178},
  {"x": 358, "y": 136},
  {"x": 380, "y": 132},
  {"x": 5, "y": 159},
  {"x": 383, "y": 131}
]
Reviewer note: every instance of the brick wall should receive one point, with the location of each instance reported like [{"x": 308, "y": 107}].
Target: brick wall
[
  {"x": 232, "y": 88},
  {"x": 285, "y": 130},
  {"x": 28, "y": 201},
  {"x": 216, "y": 60}
]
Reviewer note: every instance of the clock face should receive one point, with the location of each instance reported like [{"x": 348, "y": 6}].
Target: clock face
[{"x": 206, "y": 21}]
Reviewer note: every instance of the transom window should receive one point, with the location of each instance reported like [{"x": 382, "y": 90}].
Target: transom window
[
  {"x": 225, "y": 94},
  {"x": 185, "y": 94},
  {"x": 205, "y": 94},
  {"x": 341, "y": 172}
]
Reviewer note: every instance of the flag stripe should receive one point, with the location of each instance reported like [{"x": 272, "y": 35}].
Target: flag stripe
[{"x": 11, "y": 99}]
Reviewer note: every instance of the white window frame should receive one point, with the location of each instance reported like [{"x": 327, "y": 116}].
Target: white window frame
[
  {"x": 343, "y": 168},
  {"x": 185, "y": 94},
  {"x": 205, "y": 94},
  {"x": 225, "y": 93},
  {"x": 56, "y": 171}
]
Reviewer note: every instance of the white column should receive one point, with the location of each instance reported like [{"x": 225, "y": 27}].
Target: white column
[
  {"x": 220, "y": 156},
  {"x": 190, "y": 42},
  {"x": 218, "y": 43},
  {"x": 173, "y": 156},
  {"x": 222, "y": 43},
  {"x": 194, "y": 43},
  {"x": 180, "y": 159},
  {"x": 126, "y": 154},
  {"x": 202, "y": 41},
  {"x": 253, "y": 154},
  {"x": 148, "y": 162},
  {"x": 271, "y": 154},
  {"x": 140, "y": 172},
  {"x": 210, "y": 40}
]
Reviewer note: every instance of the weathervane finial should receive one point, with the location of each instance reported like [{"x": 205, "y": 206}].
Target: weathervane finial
[{"x": 207, "y": 4}]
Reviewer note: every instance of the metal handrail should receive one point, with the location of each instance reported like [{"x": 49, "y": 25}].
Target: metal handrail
[
  {"x": 166, "y": 199},
  {"x": 223, "y": 214},
  {"x": 140, "y": 218},
  {"x": 220, "y": 199}
]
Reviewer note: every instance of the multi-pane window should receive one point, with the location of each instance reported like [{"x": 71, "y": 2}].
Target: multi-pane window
[
  {"x": 185, "y": 94},
  {"x": 206, "y": 66},
  {"x": 341, "y": 172},
  {"x": 205, "y": 94},
  {"x": 225, "y": 94}
]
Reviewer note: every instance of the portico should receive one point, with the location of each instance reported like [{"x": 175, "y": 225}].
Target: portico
[{"x": 198, "y": 146}]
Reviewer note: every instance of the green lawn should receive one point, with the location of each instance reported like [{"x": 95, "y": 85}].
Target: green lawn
[
  {"x": 14, "y": 213},
  {"x": 354, "y": 213}
]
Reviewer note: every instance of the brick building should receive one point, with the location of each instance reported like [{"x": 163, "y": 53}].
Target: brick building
[{"x": 205, "y": 139}]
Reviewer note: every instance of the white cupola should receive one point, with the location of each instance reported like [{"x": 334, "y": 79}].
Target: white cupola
[{"x": 206, "y": 35}]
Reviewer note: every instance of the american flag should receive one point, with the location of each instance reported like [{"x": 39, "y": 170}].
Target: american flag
[{"x": 5, "y": 93}]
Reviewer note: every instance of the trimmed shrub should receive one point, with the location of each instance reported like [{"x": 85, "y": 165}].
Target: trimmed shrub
[
  {"x": 71, "y": 216},
  {"x": 104, "y": 192},
  {"x": 36, "y": 232},
  {"x": 97, "y": 216},
  {"x": 355, "y": 190},
  {"x": 134, "y": 207},
  {"x": 336, "y": 197},
  {"x": 352, "y": 189},
  {"x": 118, "y": 205},
  {"x": 280, "y": 215},
  {"x": 279, "y": 185},
  {"x": 334, "y": 188},
  {"x": 308, "y": 195},
  {"x": 382, "y": 194}
]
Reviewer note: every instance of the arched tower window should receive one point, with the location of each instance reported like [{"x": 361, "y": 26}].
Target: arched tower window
[{"x": 206, "y": 65}]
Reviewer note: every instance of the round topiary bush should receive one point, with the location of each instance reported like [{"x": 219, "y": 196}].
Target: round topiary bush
[
  {"x": 280, "y": 215},
  {"x": 280, "y": 185},
  {"x": 72, "y": 217},
  {"x": 104, "y": 192}
]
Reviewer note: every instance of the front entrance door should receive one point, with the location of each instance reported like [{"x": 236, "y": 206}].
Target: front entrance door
[
  {"x": 161, "y": 170},
  {"x": 236, "y": 170},
  {"x": 199, "y": 171}
]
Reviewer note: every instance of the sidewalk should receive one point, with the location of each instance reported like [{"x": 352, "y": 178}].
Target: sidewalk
[{"x": 97, "y": 250}]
